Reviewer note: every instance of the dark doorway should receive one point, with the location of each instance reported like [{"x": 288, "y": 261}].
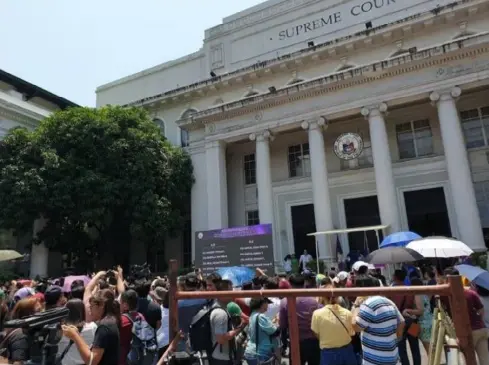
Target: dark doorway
[
  {"x": 362, "y": 212},
  {"x": 427, "y": 212},
  {"x": 303, "y": 222}
]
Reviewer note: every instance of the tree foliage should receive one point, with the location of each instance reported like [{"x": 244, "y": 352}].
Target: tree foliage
[{"x": 100, "y": 178}]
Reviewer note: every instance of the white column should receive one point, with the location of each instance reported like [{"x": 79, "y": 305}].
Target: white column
[
  {"x": 384, "y": 178},
  {"x": 264, "y": 176},
  {"x": 459, "y": 175},
  {"x": 217, "y": 191},
  {"x": 320, "y": 187},
  {"x": 39, "y": 253}
]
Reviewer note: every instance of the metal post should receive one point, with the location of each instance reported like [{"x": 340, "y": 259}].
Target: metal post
[
  {"x": 461, "y": 320},
  {"x": 295, "y": 355},
  {"x": 317, "y": 255},
  {"x": 173, "y": 304}
]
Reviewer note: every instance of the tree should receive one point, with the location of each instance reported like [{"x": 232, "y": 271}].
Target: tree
[{"x": 101, "y": 178}]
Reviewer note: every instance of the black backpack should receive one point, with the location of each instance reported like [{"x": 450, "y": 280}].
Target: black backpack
[{"x": 200, "y": 332}]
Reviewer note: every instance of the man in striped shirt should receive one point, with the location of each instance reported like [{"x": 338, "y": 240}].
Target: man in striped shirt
[{"x": 380, "y": 324}]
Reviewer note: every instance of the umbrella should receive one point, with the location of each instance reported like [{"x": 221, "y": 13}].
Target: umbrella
[
  {"x": 7, "y": 255},
  {"x": 399, "y": 239},
  {"x": 475, "y": 274},
  {"x": 237, "y": 274},
  {"x": 393, "y": 255},
  {"x": 440, "y": 247},
  {"x": 70, "y": 279}
]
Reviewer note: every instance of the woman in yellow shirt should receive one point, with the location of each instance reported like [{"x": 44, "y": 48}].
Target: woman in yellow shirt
[{"x": 332, "y": 324}]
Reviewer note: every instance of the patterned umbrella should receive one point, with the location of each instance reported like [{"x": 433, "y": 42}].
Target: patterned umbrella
[{"x": 237, "y": 274}]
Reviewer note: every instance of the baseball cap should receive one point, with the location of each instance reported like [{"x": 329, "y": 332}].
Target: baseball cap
[
  {"x": 342, "y": 275},
  {"x": 23, "y": 293},
  {"x": 357, "y": 265},
  {"x": 53, "y": 294},
  {"x": 233, "y": 309}
]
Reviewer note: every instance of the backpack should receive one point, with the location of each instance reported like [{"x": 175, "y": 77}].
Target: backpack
[
  {"x": 144, "y": 345},
  {"x": 200, "y": 333}
]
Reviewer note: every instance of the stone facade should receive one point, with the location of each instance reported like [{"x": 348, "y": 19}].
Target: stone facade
[{"x": 262, "y": 103}]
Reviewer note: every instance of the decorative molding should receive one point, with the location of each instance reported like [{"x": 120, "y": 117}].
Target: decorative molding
[
  {"x": 436, "y": 56},
  {"x": 284, "y": 59},
  {"x": 18, "y": 114}
]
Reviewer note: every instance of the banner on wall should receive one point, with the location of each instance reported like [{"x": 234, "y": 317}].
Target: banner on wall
[{"x": 250, "y": 246}]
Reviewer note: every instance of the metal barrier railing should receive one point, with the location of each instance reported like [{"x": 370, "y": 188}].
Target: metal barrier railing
[{"x": 454, "y": 290}]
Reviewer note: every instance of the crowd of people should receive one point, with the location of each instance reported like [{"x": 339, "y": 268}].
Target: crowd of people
[{"x": 115, "y": 321}]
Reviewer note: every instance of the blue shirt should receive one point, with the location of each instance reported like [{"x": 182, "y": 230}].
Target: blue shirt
[
  {"x": 266, "y": 344},
  {"x": 379, "y": 318}
]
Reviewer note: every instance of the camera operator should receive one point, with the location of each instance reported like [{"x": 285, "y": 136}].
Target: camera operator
[
  {"x": 106, "y": 344},
  {"x": 15, "y": 345}
]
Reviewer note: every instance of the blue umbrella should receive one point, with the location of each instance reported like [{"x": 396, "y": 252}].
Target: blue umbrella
[
  {"x": 237, "y": 274},
  {"x": 475, "y": 274},
  {"x": 399, "y": 239}
]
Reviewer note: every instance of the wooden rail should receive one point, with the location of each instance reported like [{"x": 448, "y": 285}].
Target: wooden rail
[{"x": 454, "y": 290}]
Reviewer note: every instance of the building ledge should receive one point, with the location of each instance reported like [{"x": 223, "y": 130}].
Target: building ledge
[
  {"x": 467, "y": 47},
  {"x": 209, "y": 84}
]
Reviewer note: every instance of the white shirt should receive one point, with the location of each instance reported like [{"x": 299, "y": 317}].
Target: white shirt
[
  {"x": 287, "y": 265},
  {"x": 163, "y": 335},
  {"x": 273, "y": 308},
  {"x": 304, "y": 259}
]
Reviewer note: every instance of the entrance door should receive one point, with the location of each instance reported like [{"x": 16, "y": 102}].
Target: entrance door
[
  {"x": 427, "y": 212},
  {"x": 303, "y": 223},
  {"x": 362, "y": 212}
]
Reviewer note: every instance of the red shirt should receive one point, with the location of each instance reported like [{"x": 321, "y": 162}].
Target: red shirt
[
  {"x": 125, "y": 334},
  {"x": 474, "y": 305}
]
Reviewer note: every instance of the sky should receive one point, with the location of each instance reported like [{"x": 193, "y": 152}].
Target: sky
[{"x": 69, "y": 47}]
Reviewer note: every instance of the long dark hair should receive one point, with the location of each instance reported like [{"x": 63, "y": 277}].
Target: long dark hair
[
  {"x": 112, "y": 309},
  {"x": 76, "y": 316}
]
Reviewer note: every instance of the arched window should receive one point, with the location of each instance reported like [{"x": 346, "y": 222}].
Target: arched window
[{"x": 161, "y": 124}]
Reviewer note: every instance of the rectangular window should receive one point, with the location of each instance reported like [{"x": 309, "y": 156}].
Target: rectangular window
[
  {"x": 475, "y": 125},
  {"x": 250, "y": 169},
  {"x": 414, "y": 139},
  {"x": 299, "y": 160},
  {"x": 252, "y": 218}
]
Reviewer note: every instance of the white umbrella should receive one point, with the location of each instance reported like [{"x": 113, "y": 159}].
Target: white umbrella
[{"x": 440, "y": 247}]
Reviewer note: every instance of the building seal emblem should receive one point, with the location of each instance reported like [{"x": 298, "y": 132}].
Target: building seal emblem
[{"x": 348, "y": 146}]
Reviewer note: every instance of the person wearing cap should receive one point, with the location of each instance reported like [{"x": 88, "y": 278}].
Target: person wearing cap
[
  {"x": 263, "y": 333},
  {"x": 238, "y": 317},
  {"x": 341, "y": 279},
  {"x": 54, "y": 297}
]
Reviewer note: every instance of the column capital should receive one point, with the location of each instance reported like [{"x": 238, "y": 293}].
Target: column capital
[
  {"x": 214, "y": 144},
  {"x": 374, "y": 110},
  {"x": 318, "y": 123},
  {"x": 445, "y": 94},
  {"x": 261, "y": 136}
]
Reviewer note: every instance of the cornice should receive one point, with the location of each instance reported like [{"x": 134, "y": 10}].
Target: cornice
[
  {"x": 13, "y": 112},
  {"x": 313, "y": 54},
  {"x": 469, "y": 47}
]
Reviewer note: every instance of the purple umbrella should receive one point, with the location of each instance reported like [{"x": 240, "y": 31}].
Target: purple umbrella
[{"x": 70, "y": 279}]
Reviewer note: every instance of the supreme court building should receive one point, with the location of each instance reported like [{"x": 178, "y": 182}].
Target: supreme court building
[{"x": 321, "y": 114}]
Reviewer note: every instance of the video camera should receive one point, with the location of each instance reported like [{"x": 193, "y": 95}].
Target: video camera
[
  {"x": 43, "y": 332},
  {"x": 140, "y": 271}
]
